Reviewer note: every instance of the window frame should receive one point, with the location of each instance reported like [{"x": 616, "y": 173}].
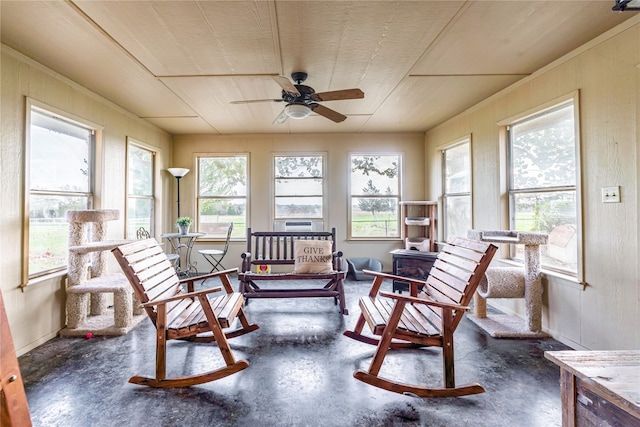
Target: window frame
[
  {"x": 351, "y": 196},
  {"x": 238, "y": 229},
  {"x": 446, "y": 195},
  {"x": 554, "y": 105},
  {"x": 323, "y": 177},
  {"x": 132, "y": 142},
  {"x": 92, "y": 172}
]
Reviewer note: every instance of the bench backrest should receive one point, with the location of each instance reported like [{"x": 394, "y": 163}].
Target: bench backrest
[
  {"x": 151, "y": 275},
  {"x": 456, "y": 273},
  {"x": 277, "y": 247}
]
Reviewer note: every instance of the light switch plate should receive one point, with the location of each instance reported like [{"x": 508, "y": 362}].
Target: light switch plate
[{"x": 611, "y": 194}]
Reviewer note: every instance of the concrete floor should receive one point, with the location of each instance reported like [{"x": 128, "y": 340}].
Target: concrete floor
[{"x": 300, "y": 374}]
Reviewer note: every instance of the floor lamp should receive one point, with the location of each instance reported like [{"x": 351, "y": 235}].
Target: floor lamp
[{"x": 178, "y": 173}]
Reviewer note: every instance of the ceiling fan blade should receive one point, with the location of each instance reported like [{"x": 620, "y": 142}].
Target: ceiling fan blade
[
  {"x": 327, "y": 112},
  {"x": 281, "y": 118},
  {"x": 338, "y": 95},
  {"x": 252, "y": 101},
  {"x": 286, "y": 84}
]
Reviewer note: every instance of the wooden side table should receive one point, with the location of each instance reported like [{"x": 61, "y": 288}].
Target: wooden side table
[{"x": 599, "y": 388}]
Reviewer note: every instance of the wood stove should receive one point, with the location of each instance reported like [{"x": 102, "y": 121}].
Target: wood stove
[{"x": 413, "y": 264}]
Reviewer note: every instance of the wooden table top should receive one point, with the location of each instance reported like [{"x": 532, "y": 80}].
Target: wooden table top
[{"x": 616, "y": 373}]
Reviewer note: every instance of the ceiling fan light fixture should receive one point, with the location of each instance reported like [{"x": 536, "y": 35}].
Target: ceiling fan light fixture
[
  {"x": 622, "y": 5},
  {"x": 297, "y": 111}
]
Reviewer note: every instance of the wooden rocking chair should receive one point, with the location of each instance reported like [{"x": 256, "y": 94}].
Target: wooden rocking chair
[
  {"x": 427, "y": 317},
  {"x": 182, "y": 315}
]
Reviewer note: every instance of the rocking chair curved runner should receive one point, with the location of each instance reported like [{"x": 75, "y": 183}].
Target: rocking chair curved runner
[
  {"x": 427, "y": 317},
  {"x": 181, "y": 315}
]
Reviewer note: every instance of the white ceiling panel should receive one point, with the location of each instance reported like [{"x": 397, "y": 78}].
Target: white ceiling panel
[{"x": 180, "y": 63}]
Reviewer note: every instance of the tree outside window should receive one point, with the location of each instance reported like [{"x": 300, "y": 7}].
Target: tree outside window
[
  {"x": 375, "y": 194},
  {"x": 222, "y": 195},
  {"x": 542, "y": 185},
  {"x": 60, "y": 178}
]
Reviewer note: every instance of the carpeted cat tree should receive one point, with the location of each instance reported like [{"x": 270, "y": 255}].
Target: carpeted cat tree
[
  {"x": 511, "y": 282},
  {"x": 88, "y": 283}
]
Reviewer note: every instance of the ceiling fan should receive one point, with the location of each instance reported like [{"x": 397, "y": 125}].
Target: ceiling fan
[{"x": 301, "y": 100}]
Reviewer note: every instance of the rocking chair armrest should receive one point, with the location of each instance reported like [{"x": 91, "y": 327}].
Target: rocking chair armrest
[
  {"x": 181, "y": 296},
  {"x": 394, "y": 277},
  {"x": 410, "y": 299},
  {"x": 208, "y": 275}
]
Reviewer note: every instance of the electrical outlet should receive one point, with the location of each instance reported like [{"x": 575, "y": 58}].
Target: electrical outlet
[{"x": 611, "y": 194}]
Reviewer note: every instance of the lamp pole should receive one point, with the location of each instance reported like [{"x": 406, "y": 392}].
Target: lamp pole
[{"x": 178, "y": 173}]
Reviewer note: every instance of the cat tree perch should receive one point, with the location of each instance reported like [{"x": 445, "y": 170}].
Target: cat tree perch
[{"x": 512, "y": 282}]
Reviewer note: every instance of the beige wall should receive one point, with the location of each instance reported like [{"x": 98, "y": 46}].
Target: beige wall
[
  {"x": 337, "y": 148},
  {"x": 37, "y": 313},
  {"x": 606, "y": 314}
]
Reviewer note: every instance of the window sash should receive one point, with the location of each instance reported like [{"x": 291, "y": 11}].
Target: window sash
[
  {"x": 60, "y": 165},
  {"x": 140, "y": 203},
  {"x": 222, "y": 201},
  {"x": 374, "y": 196},
  {"x": 299, "y": 187},
  {"x": 540, "y": 201},
  {"x": 457, "y": 201}
]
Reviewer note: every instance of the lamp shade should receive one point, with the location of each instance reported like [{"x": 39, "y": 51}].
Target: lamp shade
[
  {"x": 297, "y": 111},
  {"x": 178, "y": 172}
]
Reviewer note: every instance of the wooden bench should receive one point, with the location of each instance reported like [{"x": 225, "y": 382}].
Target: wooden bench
[
  {"x": 276, "y": 251},
  {"x": 179, "y": 315},
  {"x": 427, "y": 317}
]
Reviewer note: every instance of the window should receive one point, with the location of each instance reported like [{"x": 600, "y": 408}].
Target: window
[
  {"x": 222, "y": 195},
  {"x": 375, "y": 194},
  {"x": 542, "y": 184},
  {"x": 299, "y": 187},
  {"x": 60, "y": 178},
  {"x": 456, "y": 171},
  {"x": 140, "y": 187}
]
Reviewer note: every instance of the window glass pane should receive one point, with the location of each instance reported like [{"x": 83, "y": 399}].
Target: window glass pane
[
  {"x": 374, "y": 175},
  {"x": 139, "y": 214},
  {"x": 214, "y": 212},
  {"x": 222, "y": 176},
  {"x": 553, "y": 213},
  {"x": 299, "y": 167},
  {"x": 49, "y": 230},
  {"x": 374, "y": 217},
  {"x": 458, "y": 220},
  {"x": 298, "y": 187},
  {"x": 299, "y": 207},
  {"x": 543, "y": 150},
  {"x": 59, "y": 155},
  {"x": 458, "y": 169},
  {"x": 140, "y": 165}
]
